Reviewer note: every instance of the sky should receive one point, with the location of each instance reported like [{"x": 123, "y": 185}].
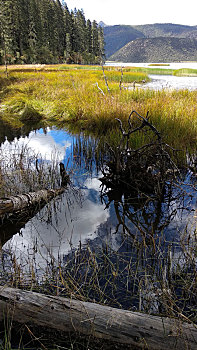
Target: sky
[{"x": 138, "y": 11}]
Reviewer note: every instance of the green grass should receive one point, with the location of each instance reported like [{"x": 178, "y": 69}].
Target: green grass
[
  {"x": 185, "y": 72},
  {"x": 147, "y": 70},
  {"x": 158, "y": 64},
  {"x": 79, "y": 97}
]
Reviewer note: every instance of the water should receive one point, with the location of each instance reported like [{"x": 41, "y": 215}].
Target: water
[
  {"x": 139, "y": 245},
  {"x": 159, "y": 82},
  {"x": 80, "y": 214},
  {"x": 170, "y": 65}
]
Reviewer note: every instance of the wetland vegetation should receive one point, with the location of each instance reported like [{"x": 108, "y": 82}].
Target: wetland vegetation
[
  {"x": 78, "y": 95},
  {"x": 143, "y": 257}
]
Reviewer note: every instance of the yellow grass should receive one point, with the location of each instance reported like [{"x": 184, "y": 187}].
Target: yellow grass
[{"x": 78, "y": 94}]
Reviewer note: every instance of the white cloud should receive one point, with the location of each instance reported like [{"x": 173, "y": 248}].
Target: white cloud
[
  {"x": 71, "y": 223},
  {"x": 42, "y": 144}
]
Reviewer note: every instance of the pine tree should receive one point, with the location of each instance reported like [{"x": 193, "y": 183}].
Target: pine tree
[
  {"x": 101, "y": 43},
  {"x": 45, "y": 31},
  {"x": 7, "y": 30},
  {"x": 95, "y": 39},
  {"x": 59, "y": 17},
  {"x": 89, "y": 36}
]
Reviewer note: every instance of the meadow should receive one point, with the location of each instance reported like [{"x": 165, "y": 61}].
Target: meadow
[
  {"x": 85, "y": 97},
  {"x": 148, "y": 273}
]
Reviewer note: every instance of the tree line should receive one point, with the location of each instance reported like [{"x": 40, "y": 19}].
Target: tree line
[{"x": 45, "y": 31}]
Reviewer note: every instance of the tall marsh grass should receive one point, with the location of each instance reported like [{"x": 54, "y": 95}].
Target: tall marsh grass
[
  {"x": 185, "y": 72},
  {"x": 80, "y": 97}
]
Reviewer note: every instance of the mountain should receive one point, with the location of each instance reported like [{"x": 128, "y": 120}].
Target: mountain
[
  {"x": 102, "y": 24},
  {"x": 160, "y": 49},
  {"x": 167, "y": 29},
  {"x": 119, "y": 35}
]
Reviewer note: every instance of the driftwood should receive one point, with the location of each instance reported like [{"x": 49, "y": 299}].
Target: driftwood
[
  {"x": 140, "y": 331},
  {"x": 23, "y": 201},
  {"x": 33, "y": 200},
  {"x": 143, "y": 171}
]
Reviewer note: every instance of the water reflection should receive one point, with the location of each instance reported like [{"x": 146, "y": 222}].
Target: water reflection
[
  {"x": 118, "y": 248},
  {"x": 58, "y": 228},
  {"x": 48, "y": 144},
  {"x": 76, "y": 220},
  {"x": 7, "y": 132}
]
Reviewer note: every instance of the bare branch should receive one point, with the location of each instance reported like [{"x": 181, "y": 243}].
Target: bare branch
[
  {"x": 106, "y": 83},
  {"x": 121, "y": 78},
  {"x": 99, "y": 89}
]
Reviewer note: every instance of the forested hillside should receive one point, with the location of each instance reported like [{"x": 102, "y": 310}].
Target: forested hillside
[
  {"x": 45, "y": 31},
  {"x": 167, "y": 29}
]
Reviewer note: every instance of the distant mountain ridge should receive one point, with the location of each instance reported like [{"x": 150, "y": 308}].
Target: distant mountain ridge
[
  {"x": 116, "y": 37},
  {"x": 161, "y": 49}
]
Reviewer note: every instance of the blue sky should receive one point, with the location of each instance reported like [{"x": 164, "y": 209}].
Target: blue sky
[{"x": 138, "y": 12}]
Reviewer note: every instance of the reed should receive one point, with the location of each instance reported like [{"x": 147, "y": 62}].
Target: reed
[
  {"x": 79, "y": 96},
  {"x": 159, "y": 65},
  {"x": 145, "y": 270},
  {"x": 185, "y": 72}
]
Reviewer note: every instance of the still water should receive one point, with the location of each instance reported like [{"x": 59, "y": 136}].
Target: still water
[
  {"x": 170, "y": 65},
  {"x": 159, "y": 82},
  {"x": 85, "y": 213},
  {"x": 143, "y": 242}
]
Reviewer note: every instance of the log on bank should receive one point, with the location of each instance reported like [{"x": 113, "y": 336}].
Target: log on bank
[{"x": 139, "y": 330}]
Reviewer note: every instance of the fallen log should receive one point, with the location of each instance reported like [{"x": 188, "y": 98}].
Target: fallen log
[
  {"x": 138, "y": 330},
  {"x": 27, "y": 200}
]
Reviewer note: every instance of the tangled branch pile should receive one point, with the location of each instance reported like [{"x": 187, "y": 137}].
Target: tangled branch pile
[{"x": 143, "y": 170}]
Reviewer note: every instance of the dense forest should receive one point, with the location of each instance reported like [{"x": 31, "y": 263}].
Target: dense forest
[{"x": 45, "y": 31}]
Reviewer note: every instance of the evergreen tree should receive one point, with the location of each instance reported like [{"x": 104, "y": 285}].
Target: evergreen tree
[
  {"x": 95, "y": 39},
  {"x": 7, "y": 31},
  {"x": 101, "y": 43},
  {"x": 89, "y": 36},
  {"x": 45, "y": 31}
]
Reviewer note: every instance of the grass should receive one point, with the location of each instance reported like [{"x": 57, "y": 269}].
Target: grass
[
  {"x": 78, "y": 96},
  {"x": 185, "y": 72},
  {"x": 147, "y": 272},
  {"x": 159, "y": 64}
]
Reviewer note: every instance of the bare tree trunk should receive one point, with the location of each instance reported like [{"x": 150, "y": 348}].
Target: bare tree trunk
[
  {"x": 139, "y": 330},
  {"x": 27, "y": 200},
  {"x": 5, "y": 58}
]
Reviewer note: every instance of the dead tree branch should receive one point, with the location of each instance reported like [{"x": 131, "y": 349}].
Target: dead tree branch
[{"x": 103, "y": 322}]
